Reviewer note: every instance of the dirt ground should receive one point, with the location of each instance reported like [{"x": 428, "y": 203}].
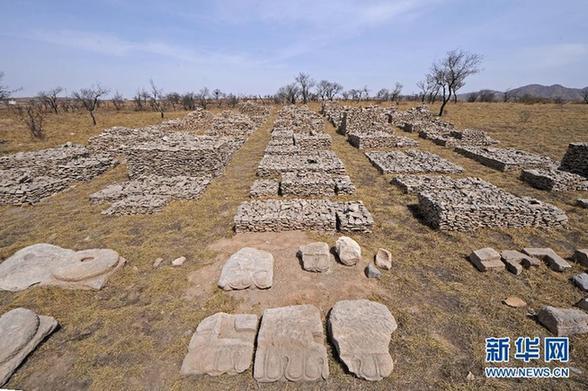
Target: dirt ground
[{"x": 134, "y": 333}]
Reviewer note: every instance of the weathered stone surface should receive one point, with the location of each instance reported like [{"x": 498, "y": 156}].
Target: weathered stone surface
[
  {"x": 411, "y": 161},
  {"x": 583, "y": 304},
  {"x": 383, "y": 259},
  {"x": 45, "y": 264},
  {"x": 371, "y": 271},
  {"x": 222, "y": 344},
  {"x": 581, "y": 281},
  {"x": 563, "y": 321},
  {"x": 505, "y": 159},
  {"x": 581, "y": 256},
  {"x": 316, "y": 257},
  {"x": 178, "y": 261},
  {"x": 486, "y": 259},
  {"x": 554, "y": 261},
  {"x": 513, "y": 256},
  {"x": 247, "y": 268},
  {"x": 21, "y": 330},
  {"x": 361, "y": 332},
  {"x": 514, "y": 302},
  {"x": 552, "y": 179},
  {"x": 471, "y": 203},
  {"x": 290, "y": 345},
  {"x": 348, "y": 250},
  {"x": 583, "y": 202}
]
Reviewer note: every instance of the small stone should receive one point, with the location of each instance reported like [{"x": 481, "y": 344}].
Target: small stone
[
  {"x": 581, "y": 256},
  {"x": 179, "y": 261},
  {"x": 316, "y": 257},
  {"x": 583, "y": 304},
  {"x": 563, "y": 321},
  {"x": 581, "y": 281},
  {"x": 582, "y": 202},
  {"x": 554, "y": 261},
  {"x": 361, "y": 332},
  {"x": 371, "y": 271},
  {"x": 348, "y": 250},
  {"x": 486, "y": 259},
  {"x": 383, "y": 259},
  {"x": 514, "y": 302},
  {"x": 157, "y": 262},
  {"x": 470, "y": 376},
  {"x": 247, "y": 268}
]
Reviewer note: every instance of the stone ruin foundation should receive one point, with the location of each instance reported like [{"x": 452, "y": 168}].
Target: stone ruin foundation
[
  {"x": 471, "y": 203},
  {"x": 379, "y": 140},
  {"x": 411, "y": 161},
  {"x": 303, "y": 215},
  {"x": 165, "y": 164},
  {"x": 298, "y": 164},
  {"x": 505, "y": 159},
  {"x": 551, "y": 179},
  {"x": 576, "y": 159},
  {"x": 29, "y": 177}
]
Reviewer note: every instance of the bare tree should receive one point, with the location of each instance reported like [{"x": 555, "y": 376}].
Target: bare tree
[
  {"x": 395, "y": 93},
  {"x": 5, "y": 91},
  {"x": 364, "y": 93},
  {"x": 217, "y": 94},
  {"x": 383, "y": 94},
  {"x": 288, "y": 93},
  {"x": 140, "y": 99},
  {"x": 156, "y": 98},
  {"x": 472, "y": 97},
  {"x": 328, "y": 90},
  {"x": 189, "y": 101},
  {"x": 487, "y": 96},
  {"x": 89, "y": 98},
  {"x": 506, "y": 95},
  {"x": 450, "y": 73},
  {"x": 173, "y": 99},
  {"x": 232, "y": 100},
  {"x": 49, "y": 98},
  {"x": 202, "y": 97},
  {"x": 32, "y": 115},
  {"x": 306, "y": 83},
  {"x": 118, "y": 101},
  {"x": 585, "y": 95}
]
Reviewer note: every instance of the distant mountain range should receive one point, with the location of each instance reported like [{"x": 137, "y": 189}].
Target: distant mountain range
[{"x": 552, "y": 92}]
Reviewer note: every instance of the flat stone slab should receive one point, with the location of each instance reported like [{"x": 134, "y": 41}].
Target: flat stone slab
[
  {"x": 581, "y": 256},
  {"x": 46, "y": 264},
  {"x": 554, "y": 261},
  {"x": 316, "y": 257},
  {"x": 361, "y": 332},
  {"x": 515, "y": 261},
  {"x": 486, "y": 259},
  {"x": 581, "y": 281},
  {"x": 348, "y": 250},
  {"x": 290, "y": 345},
  {"x": 21, "y": 330},
  {"x": 248, "y": 268},
  {"x": 563, "y": 321},
  {"x": 222, "y": 344},
  {"x": 383, "y": 259}
]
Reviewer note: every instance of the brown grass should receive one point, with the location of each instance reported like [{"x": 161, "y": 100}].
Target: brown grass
[{"x": 134, "y": 333}]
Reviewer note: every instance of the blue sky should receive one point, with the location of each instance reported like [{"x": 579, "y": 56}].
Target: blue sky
[{"x": 255, "y": 47}]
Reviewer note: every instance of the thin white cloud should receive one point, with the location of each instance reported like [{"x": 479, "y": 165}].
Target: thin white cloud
[{"x": 112, "y": 45}]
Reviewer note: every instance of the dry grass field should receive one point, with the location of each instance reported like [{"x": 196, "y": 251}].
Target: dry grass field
[{"x": 134, "y": 333}]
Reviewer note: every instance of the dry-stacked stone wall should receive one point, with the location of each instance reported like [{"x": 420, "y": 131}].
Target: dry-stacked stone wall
[
  {"x": 505, "y": 159},
  {"x": 29, "y": 177},
  {"x": 576, "y": 159},
  {"x": 552, "y": 179},
  {"x": 298, "y": 163},
  {"x": 411, "y": 161},
  {"x": 469, "y": 204},
  {"x": 169, "y": 161}
]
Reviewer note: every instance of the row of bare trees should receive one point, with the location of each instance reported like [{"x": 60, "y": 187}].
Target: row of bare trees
[{"x": 305, "y": 89}]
